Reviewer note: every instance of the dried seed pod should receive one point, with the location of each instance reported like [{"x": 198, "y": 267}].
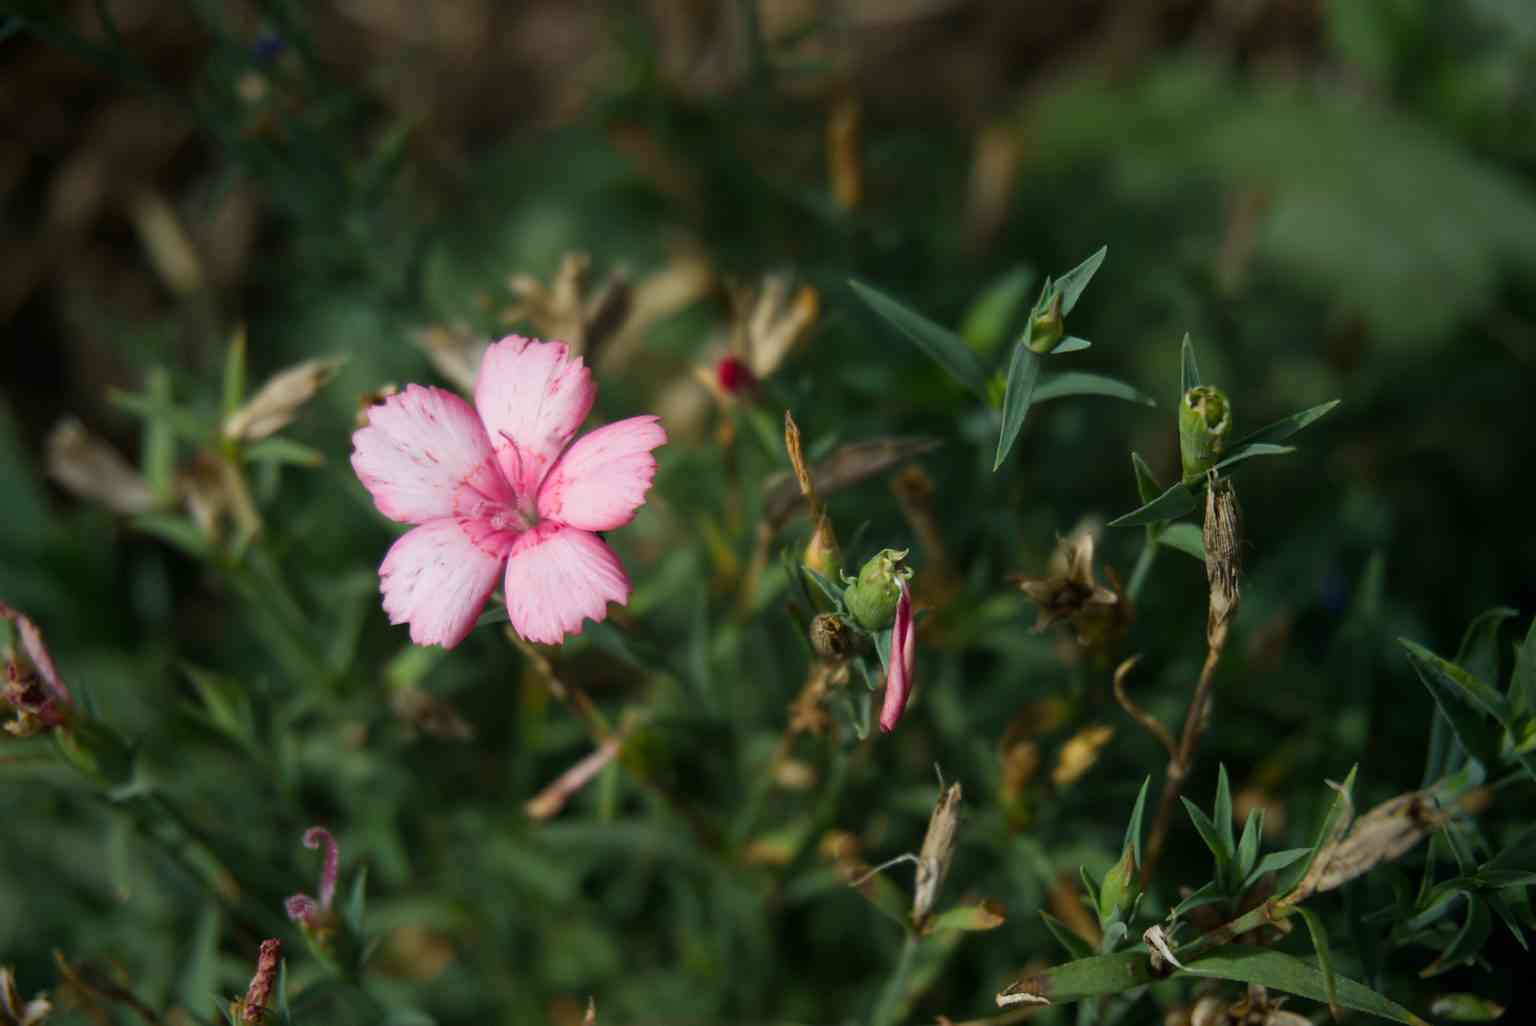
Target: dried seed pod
[
  {"x": 831, "y": 637},
  {"x": 937, "y": 852},
  {"x": 1223, "y": 537}
]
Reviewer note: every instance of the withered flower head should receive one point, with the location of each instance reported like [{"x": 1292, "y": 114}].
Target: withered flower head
[
  {"x": 1080, "y": 754},
  {"x": 1223, "y": 537},
  {"x": 90, "y": 468},
  {"x": 277, "y": 402},
  {"x": 571, "y": 308},
  {"x": 1069, "y": 592},
  {"x": 831, "y": 637},
  {"x": 770, "y": 321},
  {"x": 31, "y": 685}
]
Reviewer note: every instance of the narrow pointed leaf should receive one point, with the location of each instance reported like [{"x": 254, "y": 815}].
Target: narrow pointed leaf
[
  {"x": 357, "y": 903},
  {"x": 1175, "y": 502},
  {"x": 1060, "y": 386},
  {"x": 1248, "y": 844},
  {"x": 1324, "y": 956},
  {"x": 1023, "y": 372},
  {"x": 1185, "y": 537},
  {"x": 1274, "y": 862},
  {"x": 1076, "y": 280},
  {"x": 1076, "y": 946},
  {"x": 1146, "y": 483},
  {"x": 829, "y": 589},
  {"x": 1070, "y": 344},
  {"x": 943, "y": 346},
  {"x": 1133, "y": 828},
  {"x": 1208, "y": 832},
  {"x": 1522, "y": 686},
  {"x": 1247, "y": 452},
  {"x": 1222, "y": 813},
  {"x": 1284, "y": 428},
  {"x": 234, "y": 373},
  {"x": 1506, "y": 913},
  {"x": 1465, "y": 701},
  {"x": 1478, "y": 652},
  {"x": 1207, "y": 895},
  {"x": 991, "y": 315},
  {"x": 1189, "y": 372},
  {"x": 1278, "y": 971},
  {"x": 1469, "y": 940}
]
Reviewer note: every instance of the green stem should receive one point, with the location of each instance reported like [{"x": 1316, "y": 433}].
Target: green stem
[
  {"x": 893, "y": 995},
  {"x": 1143, "y": 566}
]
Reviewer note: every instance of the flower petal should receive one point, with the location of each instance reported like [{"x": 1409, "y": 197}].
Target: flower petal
[
  {"x": 898, "y": 673},
  {"x": 425, "y": 455},
  {"x": 532, "y": 397},
  {"x": 557, "y": 576},
  {"x": 437, "y": 576},
  {"x": 601, "y": 479}
]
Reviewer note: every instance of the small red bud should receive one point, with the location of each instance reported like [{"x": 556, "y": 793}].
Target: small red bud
[{"x": 734, "y": 376}]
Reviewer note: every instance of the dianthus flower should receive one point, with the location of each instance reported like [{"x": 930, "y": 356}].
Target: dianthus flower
[{"x": 500, "y": 490}]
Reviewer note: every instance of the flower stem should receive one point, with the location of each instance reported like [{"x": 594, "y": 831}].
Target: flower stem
[
  {"x": 1143, "y": 567},
  {"x": 892, "y": 999}
]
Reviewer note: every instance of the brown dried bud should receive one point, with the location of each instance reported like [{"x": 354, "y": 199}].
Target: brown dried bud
[
  {"x": 1080, "y": 753},
  {"x": 1070, "y": 592},
  {"x": 275, "y": 405},
  {"x": 831, "y": 637},
  {"x": 1385, "y": 833},
  {"x": 937, "y": 853},
  {"x": 88, "y": 467},
  {"x": 1223, "y": 557},
  {"x": 570, "y": 308}
]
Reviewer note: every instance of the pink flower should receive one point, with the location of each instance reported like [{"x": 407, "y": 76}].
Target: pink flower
[
  {"x": 31, "y": 684},
  {"x": 301, "y": 908},
  {"x": 898, "y": 669},
  {"x": 499, "y": 489}
]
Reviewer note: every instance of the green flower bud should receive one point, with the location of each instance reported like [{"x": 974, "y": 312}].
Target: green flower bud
[
  {"x": 1046, "y": 325},
  {"x": 1118, "y": 892},
  {"x": 873, "y": 595},
  {"x": 1205, "y": 421},
  {"x": 96, "y": 751}
]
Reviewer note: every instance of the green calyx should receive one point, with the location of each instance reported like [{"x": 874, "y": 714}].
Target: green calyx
[
  {"x": 1205, "y": 422},
  {"x": 1046, "y": 323},
  {"x": 873, "y": 595}
]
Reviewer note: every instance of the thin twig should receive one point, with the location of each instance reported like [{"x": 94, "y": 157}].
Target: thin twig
[
  {"x": 1153, "y": 725},
  {"x": 1178, "y": 766}
]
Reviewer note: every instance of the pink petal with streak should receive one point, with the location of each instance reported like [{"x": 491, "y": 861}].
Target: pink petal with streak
[
  {"x": 424, "y": 455},
  {"x": 437, "y": 576},
  {"x": 898, "y": 672},
  {"x": 601, "y": 479},
  {"x": 556, "y": 577},
  {"x": 532, "y": 397}
]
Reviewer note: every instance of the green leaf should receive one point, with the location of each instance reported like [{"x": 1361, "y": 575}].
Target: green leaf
[
  {"x": 1478, "y": 652},
  {"x": 1248, "y": 844},
  {"x": 1222, "y": 813},
  {"x": 1189, "y": 372},
  {"x": 1469, "y": 940},
  {"x": 234, "y": 373},
  {"x": 277, "y": 449},
  {"x": 1076, "y": 946},
  {"x": 158, "y": 448},
  {"x": 1072, "y": 284},
  {"x": 1060, "y": 386},
  {"x": 1522, "y": 685},
  {"x": 1493, "y": 879},
  {"x": 1146, "y": 484},
  {"x": 176, "y": 530},
  {"x": 991, "y": 316},
  {"x": 828, "y": 588},
  {"x": 943, "y": 346},
  {"x": 1175, "y": 502},
  {"x": 156, "y": 408},
  {"x": 1089, "y": 885},
  {"x": 1274, "y": 862},
  {"x": 984, "y": 915},
  {"x": 1464, "y": 700},
  {"x": 1023, "y": 372},
  {"x": 1070, "y": 344},
  {"x": 1324, "y": 956},
  {"x": 1206, "y": 895},
  {"x": 1284, "y": 428},
  {"x": 1269, "y": 968},
  {"x": 1208, "y": 833},
  {"x": 1334, "y": 823},
  {"x": 357, "y": 903},
  {"x": 1086, "y": 977},
  {"x": 1247, "y": 452},
  {"x": 1133, "y": 828},
  {"x": 1186, "y": 537}
]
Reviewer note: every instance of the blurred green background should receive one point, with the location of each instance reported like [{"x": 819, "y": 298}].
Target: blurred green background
[{"x": 1333, "y": 199}]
